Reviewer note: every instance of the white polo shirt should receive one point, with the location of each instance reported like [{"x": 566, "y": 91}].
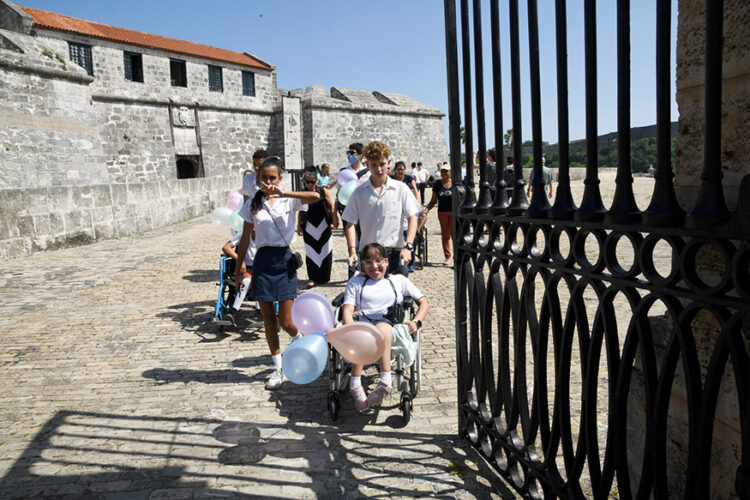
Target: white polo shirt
[
  {"x": 284, "y": 212},
  {"x": 249, "y": 185},
  {"x": 376, "y": 297},
  {"x": 379, "y": 215}
]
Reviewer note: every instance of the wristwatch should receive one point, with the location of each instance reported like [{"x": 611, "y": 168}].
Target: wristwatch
[
  {"x": 409, "y": 246},
  {"x": 419, "y": 323}
]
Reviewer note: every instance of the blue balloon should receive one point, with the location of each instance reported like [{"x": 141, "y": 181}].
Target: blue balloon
[{"x": 305, "y": 359}]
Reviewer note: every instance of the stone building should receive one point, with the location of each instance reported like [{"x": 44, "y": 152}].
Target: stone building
[{"x": 106, "y": 132}]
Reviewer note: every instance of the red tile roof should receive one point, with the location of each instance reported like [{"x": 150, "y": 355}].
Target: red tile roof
[{"x": 51, "y": 20}]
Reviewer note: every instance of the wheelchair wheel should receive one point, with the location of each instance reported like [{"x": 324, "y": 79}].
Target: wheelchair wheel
[
  {"x": 334, "y": 404},
  {"x": 406, "y": 407},
  {"x": 415, "y": 370}
]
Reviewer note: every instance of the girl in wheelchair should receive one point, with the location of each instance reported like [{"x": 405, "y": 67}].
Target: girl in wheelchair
[{"x": 377, "y": 298}]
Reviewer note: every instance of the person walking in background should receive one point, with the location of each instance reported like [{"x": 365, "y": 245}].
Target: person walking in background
[
  {"x": 324, "y": 176},
  {"x": 315, "y": 226},
  {"x": 379, "y": 206},
  {"x": 399, "y": 174},
  {"x": 420, "y": 177},
  {"x": 546, "y": 178},
  {"x": 270, "y": 218},
  {"x": 442, "y": 195}
]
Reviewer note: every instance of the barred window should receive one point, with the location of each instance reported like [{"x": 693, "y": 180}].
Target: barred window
[
  {"x": 133, "y": 66},
  {"x": 248, "y": 83},
  {"x": 215, "y": 80},
  {"x": 178, "y": 73},
  {"x": 80, "y": 53}
]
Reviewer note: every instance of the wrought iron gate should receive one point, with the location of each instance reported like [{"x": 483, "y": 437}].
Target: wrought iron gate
[{"x": 569, "y": 357}]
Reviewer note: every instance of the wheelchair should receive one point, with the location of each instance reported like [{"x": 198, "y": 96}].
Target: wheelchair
[
  {"x": 223, "y": 317},
  {"x": 407, "y": 379},
  {"x": 420, "y": 248}
]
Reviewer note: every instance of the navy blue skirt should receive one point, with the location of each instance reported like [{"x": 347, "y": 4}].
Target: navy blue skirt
[{"x": 274, "y": 275}]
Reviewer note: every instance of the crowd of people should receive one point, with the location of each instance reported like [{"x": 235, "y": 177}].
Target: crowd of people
[{"x": 380, "y": 218}]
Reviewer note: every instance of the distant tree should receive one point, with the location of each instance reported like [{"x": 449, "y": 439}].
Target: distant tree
[
  {"x": 463, "y": 134},
  {"x": 508, "y": 138}
]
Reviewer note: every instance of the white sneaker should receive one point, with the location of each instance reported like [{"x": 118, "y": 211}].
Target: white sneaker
[
  {"x": 297, "y": 337},
  {"x": 275, "y": 380}
]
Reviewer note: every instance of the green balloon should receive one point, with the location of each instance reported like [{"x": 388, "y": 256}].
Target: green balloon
[
  {"x": 346, "y": 192},
  {"x": 236, "y": 222}
]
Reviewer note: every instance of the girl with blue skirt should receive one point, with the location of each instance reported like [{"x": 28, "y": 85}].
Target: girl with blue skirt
[{"x": 271, "y": 219}]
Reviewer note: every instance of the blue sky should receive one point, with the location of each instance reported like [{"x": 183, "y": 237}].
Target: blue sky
[{"x": 397, "y": 46}]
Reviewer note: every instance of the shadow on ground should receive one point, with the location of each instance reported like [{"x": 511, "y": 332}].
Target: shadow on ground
[
  {"x": 197, "y": 318},
  {"x": 89, "y": 454}
]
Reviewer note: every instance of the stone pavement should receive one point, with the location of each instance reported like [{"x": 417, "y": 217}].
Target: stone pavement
[{"x": 115, "y": 384}]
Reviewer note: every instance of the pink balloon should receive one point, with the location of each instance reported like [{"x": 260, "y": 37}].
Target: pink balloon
[
  {"x": 345, "y": 177},
  {"x": 360, "y": 343},
  {"x": 312, "y": 312},
  {"x": 234, "y": 200}
]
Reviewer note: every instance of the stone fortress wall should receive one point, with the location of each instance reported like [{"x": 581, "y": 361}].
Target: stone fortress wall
[
  {"x": 332, "y": 121},
  {"x": 89, "y": 157}
]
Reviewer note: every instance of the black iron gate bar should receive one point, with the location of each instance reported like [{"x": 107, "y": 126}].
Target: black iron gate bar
[{"x": 494, "y": 411}]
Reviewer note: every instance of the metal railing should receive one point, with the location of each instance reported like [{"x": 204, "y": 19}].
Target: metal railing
[{"x": 546, "y": 306}]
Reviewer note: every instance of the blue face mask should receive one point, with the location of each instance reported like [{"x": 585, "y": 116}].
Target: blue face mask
[{"x": 352, "y": 158}]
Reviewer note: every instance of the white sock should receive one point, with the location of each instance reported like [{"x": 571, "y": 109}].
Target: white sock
[
  {"x": 276, "y": 360},
  {"x": 385, "y": 378},
  {"x": 241, "y": 296},
  {"x": 355, "y": 382}
]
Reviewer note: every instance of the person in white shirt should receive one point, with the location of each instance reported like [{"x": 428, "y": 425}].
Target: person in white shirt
[
  {"x": 270, "y": 218},
  {"x": 378, "y": 206},
  {"x": 249, "y": 180},
  {"x": 420, "y": 176},
  {"x": 373, "y": 296}
]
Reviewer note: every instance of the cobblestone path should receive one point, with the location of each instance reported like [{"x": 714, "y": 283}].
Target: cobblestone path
[{"x": 115, "y": 384}]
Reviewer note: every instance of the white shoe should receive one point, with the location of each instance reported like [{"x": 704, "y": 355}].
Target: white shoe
[
  {"x": 297, "y": 337},
  {"x": 275, "y": 380}
]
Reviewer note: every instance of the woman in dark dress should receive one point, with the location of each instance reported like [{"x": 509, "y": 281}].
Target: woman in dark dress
[{"x": 316, "y": 225}]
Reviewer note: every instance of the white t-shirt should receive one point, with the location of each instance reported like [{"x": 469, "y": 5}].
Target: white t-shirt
[
  {"x": 284, "y": 212},
  {"x": 249, "y": 185},
  {"x": 376, "y": 297},
  {"x": 421, "y": 175},
  {"x": 250, "y": 254},
  {"x": 379, "y": 215}
]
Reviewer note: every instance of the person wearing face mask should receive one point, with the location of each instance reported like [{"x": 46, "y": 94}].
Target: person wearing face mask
[{"x": 354, "y": 158}]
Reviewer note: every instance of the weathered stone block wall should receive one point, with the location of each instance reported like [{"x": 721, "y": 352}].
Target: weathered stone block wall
[
  {"x": 229, "y": 140},
  {"x": 735, "y": 157},
  {"x": 48, "y": 130},
  {"x": 413, "y": 130},
  {"x": 136, "y": 142},
  {"x": 46, "y": 218}
]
